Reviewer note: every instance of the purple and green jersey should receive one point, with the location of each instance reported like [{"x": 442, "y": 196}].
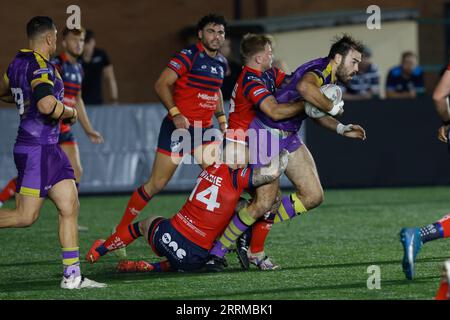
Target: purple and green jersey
[
  {"x": 27, "y": 68},
  {"x": 287, "y": 92}
]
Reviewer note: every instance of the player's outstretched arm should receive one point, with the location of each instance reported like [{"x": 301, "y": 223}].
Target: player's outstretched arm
[
  {"x": 309, "y": 88},
  {"x": 279, "y": 111},
  {"x": 93, "y": 135},
  {"x": 272, "y": 171},
  {"x": 350, "y": 130}
]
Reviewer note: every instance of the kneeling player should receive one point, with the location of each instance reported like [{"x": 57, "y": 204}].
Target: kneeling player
[{"x": 186, "y": 238}]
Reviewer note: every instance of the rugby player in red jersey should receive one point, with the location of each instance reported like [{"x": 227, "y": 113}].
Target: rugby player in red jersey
[
  {"x": 186, "y": 238},
  {"x": 189, "y": 87}
]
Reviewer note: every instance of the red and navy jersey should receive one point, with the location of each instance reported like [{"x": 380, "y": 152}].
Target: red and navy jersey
[
  {"x": 72, "y": 75},
  {"x": 211, "y": 204},
  {"x": 197, "y": 89},
  {"x": 251, "y": 88}
]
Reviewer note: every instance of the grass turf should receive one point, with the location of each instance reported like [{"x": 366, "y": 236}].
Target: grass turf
[{"x": 324, "y": 254}]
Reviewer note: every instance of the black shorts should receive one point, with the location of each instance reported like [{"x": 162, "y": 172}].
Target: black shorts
[
  {"x": 183, "y": 254},
  {"x": 184, "y": 141},
  {"x": 67, "y": 138}
]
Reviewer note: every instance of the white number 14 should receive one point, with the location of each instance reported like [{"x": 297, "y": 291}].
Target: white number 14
[{"x": 212, "y": 191}]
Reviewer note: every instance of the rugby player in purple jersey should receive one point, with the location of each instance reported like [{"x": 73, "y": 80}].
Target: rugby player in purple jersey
[
  {"x": 303, "y": 84},
  {"x": 43, "y": 168}
]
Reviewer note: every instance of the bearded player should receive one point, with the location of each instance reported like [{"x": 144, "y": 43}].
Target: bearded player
[{"x": 304, "y": 84}]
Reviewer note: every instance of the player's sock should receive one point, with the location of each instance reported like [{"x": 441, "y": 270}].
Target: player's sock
[
  {"x": 437, "y": 230},
  {"x": 9, "y": 190},
  {"x": 137, "y": 202},
  {"x": 238, "y": 225},
  {"x": 290, "y": 207},
  {"x": 162, "y": 266},
  {"x": 71, "y": 262},
  {"x": 260, "y": 230},
  {"x": 119, "y": 239},
  {"x": 442, "y": 293}
]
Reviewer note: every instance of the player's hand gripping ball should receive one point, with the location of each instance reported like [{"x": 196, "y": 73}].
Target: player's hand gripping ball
[{"x": 332, "y": 92}]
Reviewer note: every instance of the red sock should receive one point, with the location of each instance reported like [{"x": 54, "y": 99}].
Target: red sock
[
  {"x": 442, "y": 293},
  {"x": 123, "y": 237},
  {"x": 260, "y": 230},
  {"x": 162, "y": 266},
  {"x": 9, "y": 191},
  {"x": 445, "y": 223},
  {"x": 137, "y": 202}
]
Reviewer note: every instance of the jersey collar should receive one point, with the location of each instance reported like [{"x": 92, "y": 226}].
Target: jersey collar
[
  {"x": 257, "y": 72},
  {"x": 29, "y": 50}
]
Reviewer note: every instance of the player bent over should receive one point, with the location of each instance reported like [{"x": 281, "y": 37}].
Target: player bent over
[
  {"x": 43, "y": 168},
  {"x": 412, "y": 239},
  {"x": 186, "y": 238}
]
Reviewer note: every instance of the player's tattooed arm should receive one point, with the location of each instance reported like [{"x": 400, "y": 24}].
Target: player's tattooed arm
[
  {"x": 350, "y": 130},
  {"x": 272, "y": 171}
]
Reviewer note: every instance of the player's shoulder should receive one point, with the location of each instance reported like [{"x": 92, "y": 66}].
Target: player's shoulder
[
  {"x": 190, "y": 51},
  {"x": 250, "y": 76},
  {"x": 221, "y": 59}
]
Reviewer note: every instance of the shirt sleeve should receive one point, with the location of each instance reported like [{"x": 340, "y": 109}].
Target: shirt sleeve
[
  {"x": 255, "y": 91},
  {"x": 242, "y": 178},
  {"x": 41, "y": 71},
  {"x": 181, "y": 63}
]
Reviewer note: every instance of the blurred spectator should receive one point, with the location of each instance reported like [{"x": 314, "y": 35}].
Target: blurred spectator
[
  {"x": 233, "y": 70},
  {"x": 366, "y": 83},
  {"x": 406, "y": 80},
  {"x": 97, "y": 67},
  {"x": 280, "y": 64}
]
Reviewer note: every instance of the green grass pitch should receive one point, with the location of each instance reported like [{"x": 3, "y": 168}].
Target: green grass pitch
[{"x": 323, "y": 254}]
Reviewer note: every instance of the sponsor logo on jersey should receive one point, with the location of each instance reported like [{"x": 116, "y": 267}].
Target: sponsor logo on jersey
[
  {"x": 259, "y": 91},
  {"x": 214, "y": 70},
  {"x": 42, "y": 71},
  {"x": 207, "y": 97},
  {"x": 187, "y": 52},
  {"x": 175, "y": 65}
]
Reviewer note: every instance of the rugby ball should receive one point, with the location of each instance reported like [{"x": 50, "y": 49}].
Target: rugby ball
[{"x": 332, "y": 92}]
